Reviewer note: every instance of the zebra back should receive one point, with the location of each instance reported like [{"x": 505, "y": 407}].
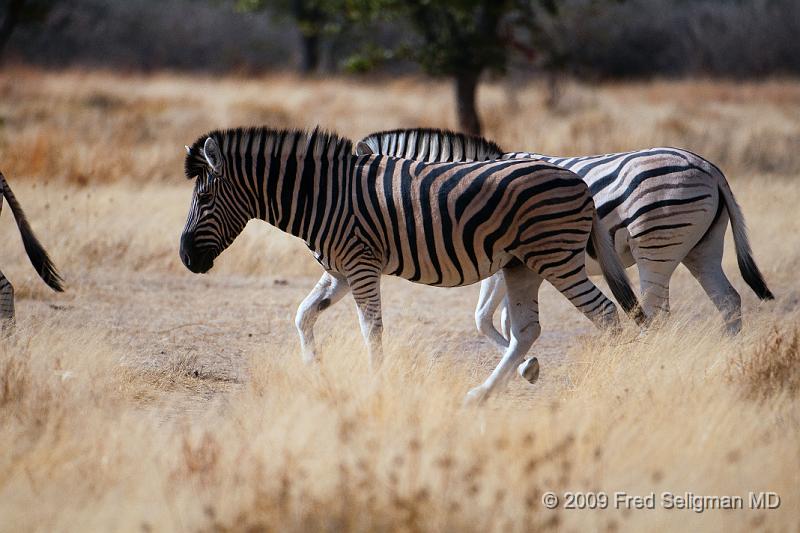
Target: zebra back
[{"x": 429, "y": 145}]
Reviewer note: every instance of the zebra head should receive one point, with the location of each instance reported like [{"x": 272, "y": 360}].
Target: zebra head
[{"x": 216, "y": 214}]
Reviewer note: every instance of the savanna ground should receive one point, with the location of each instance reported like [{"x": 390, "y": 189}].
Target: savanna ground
[{"x": 148, "y": 398}]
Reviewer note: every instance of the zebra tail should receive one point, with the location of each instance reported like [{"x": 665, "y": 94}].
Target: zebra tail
[
  {"x": 744, "y": 254},
  {"x": 614, "y": 272},
  {"x": 36, "y": 252}
]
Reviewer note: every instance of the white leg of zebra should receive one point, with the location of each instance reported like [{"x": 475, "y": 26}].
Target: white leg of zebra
[
  {"x": 329, "y": 289},
  {"x": 492, "y": 297},
  {"x": 523, "y": 289},
  {"x": 493, "y": 291},
  {"x": 505, "y": 322},
  {"x": 493, "y": 294},
  {"x": 6, "y": 305},
  {"x": 704, "y": 261}
]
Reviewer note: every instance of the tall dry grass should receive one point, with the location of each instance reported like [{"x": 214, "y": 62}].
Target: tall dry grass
[
  {"x": 335, "y": 448},
  {"x": 149, "y": 399}
]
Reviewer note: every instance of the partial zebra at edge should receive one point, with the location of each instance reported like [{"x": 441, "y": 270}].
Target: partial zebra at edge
[{"x": 36, "y": 253}]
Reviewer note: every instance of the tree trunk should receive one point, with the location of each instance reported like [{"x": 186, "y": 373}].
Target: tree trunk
[
  {"x": 309, "y": 60},
  {"x": 310, "y": 21},
  {"x": 10, "y": 19},
  {"x": 466, "y": 89}
]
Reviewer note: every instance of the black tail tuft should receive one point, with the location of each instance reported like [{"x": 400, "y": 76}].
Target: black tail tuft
[
  {"x": 627, "y": 299},
  {"x": 744, "y": 255},
  {"x": 36, "y": 253},
  {"x": 41, "y": 261},
  {"x": 752, "y": 276},
  {"x": 614, "y": 272}
]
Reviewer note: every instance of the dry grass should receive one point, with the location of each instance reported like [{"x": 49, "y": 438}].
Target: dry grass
[
  {"x": 131, "y": 128},
  {"x": 773, "y": 367},
  {"x": 337, "y": 449},
  {"x": 146, "y": 398}
]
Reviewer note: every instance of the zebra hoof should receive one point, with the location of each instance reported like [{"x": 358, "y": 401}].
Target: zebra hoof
[
  {"x": 529, "y": 370},
  {"x": 476, "y": 396}
]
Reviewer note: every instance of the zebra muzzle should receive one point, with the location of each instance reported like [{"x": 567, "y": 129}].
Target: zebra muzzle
[{"x": 196, "y": 260}]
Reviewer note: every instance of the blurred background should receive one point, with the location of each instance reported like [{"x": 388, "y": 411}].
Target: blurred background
[{"x": 459, "y": 40}]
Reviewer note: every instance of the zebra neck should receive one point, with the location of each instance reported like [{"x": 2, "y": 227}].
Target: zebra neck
[{"x": 303, "y": 194}]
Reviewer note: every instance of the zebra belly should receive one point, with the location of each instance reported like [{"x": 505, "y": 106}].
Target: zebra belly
[{"x": 455, "y": 275}]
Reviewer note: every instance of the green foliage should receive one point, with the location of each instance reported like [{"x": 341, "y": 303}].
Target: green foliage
[
  {"x": 369, "y": 58},
  {"x": 450, "y": 36},
  {"x": 445, "y": 37}
]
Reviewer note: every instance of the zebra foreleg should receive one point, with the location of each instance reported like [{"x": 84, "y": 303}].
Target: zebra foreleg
[
  {"x": 493, "y": 292},
  {"x": 329, "y": 289},
  {"x": 523, "y": 289},
  {"x": 6, "y": 305},
  {"x": 366, "y": 287}
]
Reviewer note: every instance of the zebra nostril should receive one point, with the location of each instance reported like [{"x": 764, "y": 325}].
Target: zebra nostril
[{"x": 186, "y": 259}]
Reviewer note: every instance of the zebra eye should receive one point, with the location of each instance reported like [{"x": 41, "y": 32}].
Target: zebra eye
[{"x": 204, "y": 196}]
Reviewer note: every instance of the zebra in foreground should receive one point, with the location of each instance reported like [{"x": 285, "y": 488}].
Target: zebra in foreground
[
  {"x": 444, "y": 225},
  {"x": 36, "y": 253},
  {"x": 664, "y": 206}
]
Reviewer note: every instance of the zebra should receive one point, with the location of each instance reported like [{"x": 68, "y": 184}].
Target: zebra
[
  {"x": 445, "y": 225},
  {"x": 36, "y": 253},
  {"x": 664, "y": 206}
]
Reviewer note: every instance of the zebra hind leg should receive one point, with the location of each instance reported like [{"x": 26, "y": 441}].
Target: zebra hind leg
[
  {"x": 493, "y": 291},
  {"x": 6, "y": 306},
  {"x": 523, "y": 288},
  {"x": 329, "y": 289},
  {"x": 505, "y": 323},
  {"x": 704, "y": 261},
  {"x": 654, "y": 279}
]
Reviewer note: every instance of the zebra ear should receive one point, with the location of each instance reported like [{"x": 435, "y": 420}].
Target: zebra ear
[
  {"x": 188, "y": 150},
  {"x": 213, "y": 155},
  {"x": 363, "y": 148}
]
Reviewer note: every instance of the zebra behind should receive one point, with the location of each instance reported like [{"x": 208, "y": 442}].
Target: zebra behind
[
  {"x": 664, "y": 206},
  {"x": 36, "y": 253},
  {"x": 444, "y": 225}
]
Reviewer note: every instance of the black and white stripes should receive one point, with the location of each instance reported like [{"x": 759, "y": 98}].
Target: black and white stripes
[
  {"x": 663, "y": 207},
  {"x": 429, "y": 145}
]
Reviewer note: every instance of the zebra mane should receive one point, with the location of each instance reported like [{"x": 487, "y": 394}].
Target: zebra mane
[
  {"x": 474, "y": 146},
  {"x": 293, "y": 142}
]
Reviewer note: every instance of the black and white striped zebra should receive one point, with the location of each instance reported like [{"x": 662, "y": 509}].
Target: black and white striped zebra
[
  {"x": 664, "y": 206},
  {"x": 444, "y": 225},
  {"x": 36, "y": 253}
]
